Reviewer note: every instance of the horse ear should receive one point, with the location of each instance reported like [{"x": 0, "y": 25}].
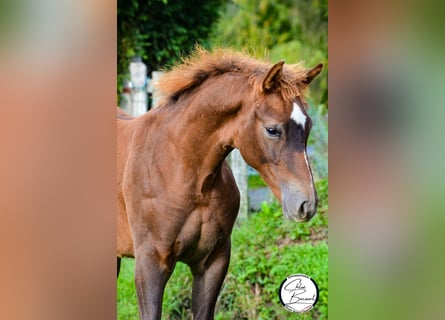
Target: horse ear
[
  {"x": 273, "y": 76},
  {"x": 312, "y": 73}
]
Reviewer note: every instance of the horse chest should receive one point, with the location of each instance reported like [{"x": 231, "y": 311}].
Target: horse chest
[{"x": 198, "y": 238}]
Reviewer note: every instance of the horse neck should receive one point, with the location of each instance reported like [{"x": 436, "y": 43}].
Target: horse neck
[{"x": 203, "y": 126}]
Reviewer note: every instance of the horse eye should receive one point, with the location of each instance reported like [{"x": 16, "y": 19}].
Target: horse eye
[{"x": 273, "y": 132}]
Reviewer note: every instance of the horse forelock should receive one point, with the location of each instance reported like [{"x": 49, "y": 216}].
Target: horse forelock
[{"x": 203, "y": 64}]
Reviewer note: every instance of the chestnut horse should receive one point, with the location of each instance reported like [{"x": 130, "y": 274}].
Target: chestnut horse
[{"x": 177, "y": 198}]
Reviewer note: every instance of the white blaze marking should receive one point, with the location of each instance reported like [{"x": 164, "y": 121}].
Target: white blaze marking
[
  {"x": 298, "y": 116},
  {"x": 309, "y": 170}
]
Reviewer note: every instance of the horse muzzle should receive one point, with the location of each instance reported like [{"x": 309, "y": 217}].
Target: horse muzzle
[{"x": 298, "y": 205}]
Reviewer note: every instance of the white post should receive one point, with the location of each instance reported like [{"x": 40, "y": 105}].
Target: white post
[
  {"x": 155, "y": 97},
  {"x": 239, "y": 169},
  {"x": 138, "y": 75}
]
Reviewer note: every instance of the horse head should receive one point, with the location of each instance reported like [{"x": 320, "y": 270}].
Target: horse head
[{"x": 274, "y": 139}]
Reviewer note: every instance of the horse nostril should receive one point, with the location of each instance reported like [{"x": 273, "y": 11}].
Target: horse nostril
[{"x": 303, "y": 210}]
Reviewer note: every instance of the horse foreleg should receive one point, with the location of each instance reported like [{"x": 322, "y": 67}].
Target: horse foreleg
[
  {"x": 118, "y": 266},
  {"x": 207, "y": 283},
  {"x": 151, "y": 275}
]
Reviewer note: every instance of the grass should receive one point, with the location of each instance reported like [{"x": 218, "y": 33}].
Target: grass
[
  {"x": 127, "y": 308},
  {"x": 265, "y": 250}
]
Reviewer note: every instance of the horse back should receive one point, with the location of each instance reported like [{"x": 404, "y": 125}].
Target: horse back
[{"x": 122, "y": 115}]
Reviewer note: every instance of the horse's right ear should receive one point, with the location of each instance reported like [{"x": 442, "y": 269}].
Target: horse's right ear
[{"x": 272, "y": 78}]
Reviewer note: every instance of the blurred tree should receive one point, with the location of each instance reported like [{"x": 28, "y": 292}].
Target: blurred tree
[
  {"x": 161, "y": 30},
  {"x": 292, "y": 30}
]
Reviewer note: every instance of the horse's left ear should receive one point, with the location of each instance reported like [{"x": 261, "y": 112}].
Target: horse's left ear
[
  {"x": 312, "y": 73},
  {"x": 270, "y": 82}
]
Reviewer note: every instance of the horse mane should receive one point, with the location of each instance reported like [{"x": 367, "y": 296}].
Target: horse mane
[{"x": 192, "y": 71}]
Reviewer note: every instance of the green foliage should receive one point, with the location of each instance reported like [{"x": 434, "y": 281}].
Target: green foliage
[
  {"x": 265, "y": 250},
  {"x": 255, "y": 181},
  {"x": 293, "y": 30},
  {"x": 160, "y": 31}
]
